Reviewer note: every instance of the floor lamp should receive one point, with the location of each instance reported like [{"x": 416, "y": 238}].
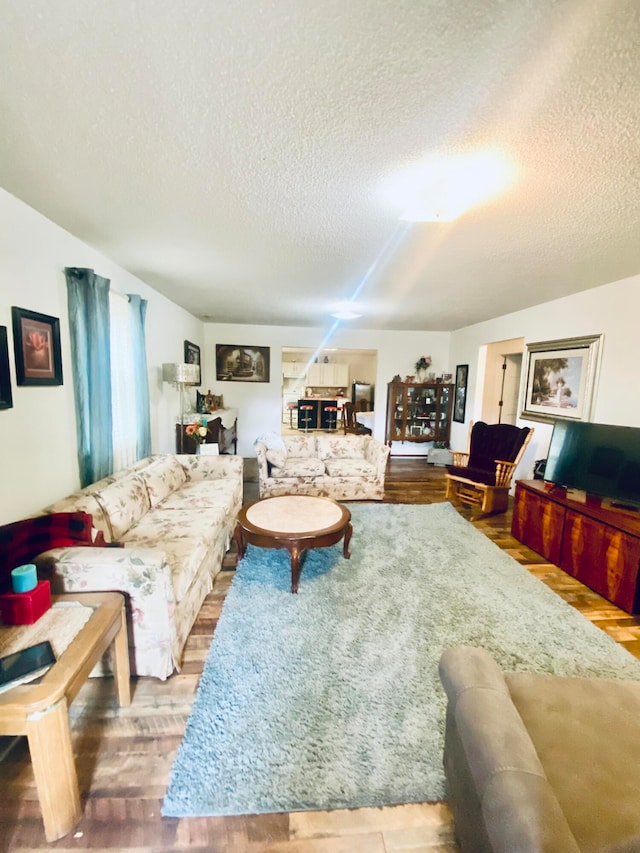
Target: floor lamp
[{"x": 181, "y": 375}]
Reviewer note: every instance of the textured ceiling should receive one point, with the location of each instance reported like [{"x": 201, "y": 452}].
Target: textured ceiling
[{"x": 232, "y": 155}]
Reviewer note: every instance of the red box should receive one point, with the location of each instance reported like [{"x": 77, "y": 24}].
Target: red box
[{"x": 25, "y": 608}]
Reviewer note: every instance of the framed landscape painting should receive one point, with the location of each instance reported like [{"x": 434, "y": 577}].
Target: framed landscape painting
[
  {"x": 192, "y": 356},
  {"x": 236, "y": 363},
  {"x": 560, "y": 379},
  {"x": 6, "y": 400},
  {"x": 36, "y": 344}
]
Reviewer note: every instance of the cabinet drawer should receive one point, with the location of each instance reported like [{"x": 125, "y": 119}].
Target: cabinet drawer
[
  {"x": 538, "y": 523},
  {"x": 603, "y": 558}
]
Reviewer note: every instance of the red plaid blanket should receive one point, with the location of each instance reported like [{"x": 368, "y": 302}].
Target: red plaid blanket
[{"x": 23, "y": 540}]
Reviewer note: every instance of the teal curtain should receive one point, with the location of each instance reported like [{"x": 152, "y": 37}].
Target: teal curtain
[
  {"x": 143, "y": 420},
  {"x": 88, "y": 304}
]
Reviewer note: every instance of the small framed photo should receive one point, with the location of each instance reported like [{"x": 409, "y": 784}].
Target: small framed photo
[
  {"x": 192, "y": 356},
  {"x": 6, "y": 400},
  {"x": 561, "y": 379},
  {"x": 460, "y": 398},
  {"x": 36, "y": 343}
]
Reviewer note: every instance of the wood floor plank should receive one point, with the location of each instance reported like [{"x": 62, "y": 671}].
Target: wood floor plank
[{"x": 124, "y": 756}]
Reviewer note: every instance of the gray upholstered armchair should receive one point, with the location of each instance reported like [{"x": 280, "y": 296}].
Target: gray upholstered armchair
[{"x": 540, "y": 763}]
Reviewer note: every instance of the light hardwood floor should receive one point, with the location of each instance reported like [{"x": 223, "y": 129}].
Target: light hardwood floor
[{"x": 124, "y": 756}]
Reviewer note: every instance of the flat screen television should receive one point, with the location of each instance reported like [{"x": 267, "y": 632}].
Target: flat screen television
[{"x": 601, "y": 459}]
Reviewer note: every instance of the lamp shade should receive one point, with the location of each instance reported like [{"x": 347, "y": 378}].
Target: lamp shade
[{"x": 181, "y": 374}]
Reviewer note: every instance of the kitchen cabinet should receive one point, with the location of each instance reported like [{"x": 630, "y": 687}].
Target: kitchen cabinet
[
  {"x": 418, "y": 411},
  {"x": 332, "y": 375},
  {"x": 294, "y": 369}
]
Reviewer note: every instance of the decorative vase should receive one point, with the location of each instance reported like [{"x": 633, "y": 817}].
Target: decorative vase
[{"x": 421, "y": 374}]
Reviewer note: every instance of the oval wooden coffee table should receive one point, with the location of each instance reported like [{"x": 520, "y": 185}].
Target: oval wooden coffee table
[{"x": 296, "y": 523}]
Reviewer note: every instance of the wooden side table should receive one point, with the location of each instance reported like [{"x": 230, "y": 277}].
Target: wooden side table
[{"x": 40, "y": 711}]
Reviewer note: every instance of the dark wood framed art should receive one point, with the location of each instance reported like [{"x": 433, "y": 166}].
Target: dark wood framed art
[
  {"x": 6, "y": 400},
  {"x": 242, "y": 364},
  {"x": 460, "y": 399},
  {"x": 192, "y": 356},
  {"x": 36, "y": 343}
]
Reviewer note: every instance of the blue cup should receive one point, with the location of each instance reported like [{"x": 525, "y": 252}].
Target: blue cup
[{"x": 24, "y": 578}]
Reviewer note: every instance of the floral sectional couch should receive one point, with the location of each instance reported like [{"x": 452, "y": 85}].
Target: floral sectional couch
[
  {"x": 174, "y": 517},
  {"x": 343, "y": 467}
]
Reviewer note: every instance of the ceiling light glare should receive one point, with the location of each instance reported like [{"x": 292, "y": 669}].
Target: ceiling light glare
[
  {"x": 346, "y": 312},
  {"x": 441, "y": 188}
]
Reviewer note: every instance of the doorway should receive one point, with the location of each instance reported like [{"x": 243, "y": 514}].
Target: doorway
[
  {"x": 501, "y": 385},
  {"x": 329, "y": 372}
]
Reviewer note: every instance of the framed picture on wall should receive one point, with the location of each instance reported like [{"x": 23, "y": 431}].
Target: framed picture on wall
[
  {"x": 36, "y": 343},
  {"x": 236, "y": 363},
  {"x": 460, "y": 399},
  {"x": 192, "y": 356},
  {"x": 6, "y": 400},
  {"x": 561, "y": 378}
]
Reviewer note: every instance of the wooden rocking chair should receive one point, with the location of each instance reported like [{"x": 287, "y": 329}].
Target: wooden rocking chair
[{"x": 482, "y": 476}]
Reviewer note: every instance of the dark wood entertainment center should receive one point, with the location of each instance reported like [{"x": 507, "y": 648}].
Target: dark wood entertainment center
[{"x": 598, "y": 546}]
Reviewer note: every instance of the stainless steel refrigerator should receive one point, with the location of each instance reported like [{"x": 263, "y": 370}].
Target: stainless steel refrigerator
[{"x": 362, "y": 396}]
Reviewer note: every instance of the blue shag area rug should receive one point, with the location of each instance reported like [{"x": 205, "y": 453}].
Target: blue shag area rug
[{"x": 331, "y": 698}]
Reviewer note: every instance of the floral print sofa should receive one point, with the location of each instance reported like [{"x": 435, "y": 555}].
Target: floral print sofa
[
  {"x": 174, "y": 515},
  {"x": 343, "y": 467}
]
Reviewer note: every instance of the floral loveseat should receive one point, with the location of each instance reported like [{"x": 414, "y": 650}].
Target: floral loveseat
[
  {"x": 343, "y": 467},
  {"x": 174, "y": 515}
]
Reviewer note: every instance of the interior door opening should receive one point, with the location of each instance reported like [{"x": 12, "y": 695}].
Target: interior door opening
[{"x": 328, "y": 374}]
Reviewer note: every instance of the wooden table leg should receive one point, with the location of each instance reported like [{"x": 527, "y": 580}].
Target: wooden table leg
[
  {"x": 237, "y": 535},
  {"x": 296, "y": 556},
  {"x": 54, "y": 769},
  {"x": 121, "y": 674},
  {"x": 347, "y": 539}
]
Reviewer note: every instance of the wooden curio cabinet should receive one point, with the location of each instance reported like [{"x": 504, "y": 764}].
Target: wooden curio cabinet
[{"x": 418, "y": 411}]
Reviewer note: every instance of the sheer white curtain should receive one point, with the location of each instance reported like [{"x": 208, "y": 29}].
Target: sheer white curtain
[{"x": 123, "y": 390}]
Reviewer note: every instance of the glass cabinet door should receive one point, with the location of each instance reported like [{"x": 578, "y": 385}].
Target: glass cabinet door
[
  {"x": 443, "y": 426},
  {"x": 399, "y": 413},
  {"x": 418, "y": 412}
]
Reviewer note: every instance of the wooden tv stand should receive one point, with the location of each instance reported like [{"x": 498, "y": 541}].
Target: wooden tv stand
[{"x": 600, "y": 547}]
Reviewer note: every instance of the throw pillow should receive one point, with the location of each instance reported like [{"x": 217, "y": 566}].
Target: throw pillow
[
  {"x": 276, "y": 457},
  {"x": 272, "y": 441},
  {"x": 341, "y": 446},
  {"x": 124, "y": 503},
  {"x": 22, "y": 541},
  {"x": 163, "y": 477}
]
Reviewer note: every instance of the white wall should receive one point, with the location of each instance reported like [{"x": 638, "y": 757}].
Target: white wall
[
  {"x": 38, "y": 435},
  {"x": 611, "y": 310},
  {"x": 38, "y": 438},
  {"x": 260, "y": 404}
]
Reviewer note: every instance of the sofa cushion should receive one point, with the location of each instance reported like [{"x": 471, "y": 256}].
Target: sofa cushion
[
  {"x": 295, "y": 467},
  {"x": 124, "y": 503},
  {"x": 185, "y": 537},
  {"x": 301, "y": 446},
  {"x": 585, "y": 733},
  {"x": 163, "y": 477},
  {"x": 350, "y": 468},
  {"x": 340, "y": 446},
  {"x": 204, "y": 494},
  {"x": 276, "y": 457}
]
